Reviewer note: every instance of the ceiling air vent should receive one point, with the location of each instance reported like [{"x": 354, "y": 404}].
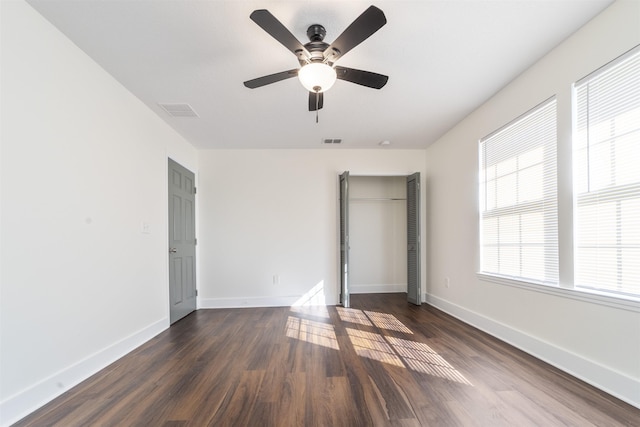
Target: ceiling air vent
[
  {"x": 332, "y": 141},
  {"x": 179, "y": 110}
]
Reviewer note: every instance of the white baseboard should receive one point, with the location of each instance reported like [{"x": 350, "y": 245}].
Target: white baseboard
[
  {"x": 287, "y": 301},
  {"x": 294, "y": 300},
  {"x": 23, "y": 403},
  {"x": 252, "y": 302},
  {"x": 378, "y": 289},
  {"x": 612, "y": 382}
]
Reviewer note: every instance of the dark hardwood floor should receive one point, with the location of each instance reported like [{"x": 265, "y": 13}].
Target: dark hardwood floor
[{"x": 381, "y": 363}]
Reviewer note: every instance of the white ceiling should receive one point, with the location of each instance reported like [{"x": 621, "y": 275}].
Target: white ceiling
[{"x": 443, "y": 58}]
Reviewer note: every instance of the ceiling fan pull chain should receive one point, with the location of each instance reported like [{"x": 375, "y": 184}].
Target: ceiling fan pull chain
[{"x": 317, "y": 89}]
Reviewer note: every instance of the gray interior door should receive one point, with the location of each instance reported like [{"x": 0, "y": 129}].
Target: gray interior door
[
  {"x": 182, "y": 242},
  {"x": 344, "y": 239},
  {"x": 413, "y": 239}
]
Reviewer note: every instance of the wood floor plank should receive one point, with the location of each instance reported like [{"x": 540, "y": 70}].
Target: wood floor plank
[
  {"x": 288, "y": 407},
  {"x": 364, "y": 395},
  {"x": 382, "y": 362},
  {"x": 238, "y": 409}
]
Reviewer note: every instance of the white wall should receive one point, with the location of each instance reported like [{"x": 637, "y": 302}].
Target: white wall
[
  {"x": 275, "y": 212},
  {"x": 84, "y": 164},
  {"x": 378, "y": 234},
  {"x": 598, "y": 343}
]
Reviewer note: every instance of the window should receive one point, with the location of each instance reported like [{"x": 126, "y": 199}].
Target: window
[
  {"x": 518, "y": 198},
  {"x": 607, "y": 178}
]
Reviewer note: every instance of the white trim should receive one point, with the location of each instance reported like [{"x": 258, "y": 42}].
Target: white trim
[
  {"x": 378, "y": 174},
  {"x": 622, "y": 302},
  {"x": 294, "y": 300},
  {"x": 23, "y": 403},
  {"x": 249, "y": 302},
  {"x": 606, "y": 379},
  {"x": 519, "y": 118},
  {"x": 604, "y": 68},
  {"x": 378, "y": 289}
]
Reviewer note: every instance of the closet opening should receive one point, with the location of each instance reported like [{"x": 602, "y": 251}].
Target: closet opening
[{"x": 380, "y": 235}]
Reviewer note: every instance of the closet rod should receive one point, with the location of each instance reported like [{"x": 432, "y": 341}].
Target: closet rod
[{"x": 357, "y": 199}]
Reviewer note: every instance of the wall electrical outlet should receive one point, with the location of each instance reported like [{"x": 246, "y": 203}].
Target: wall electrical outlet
[
  {"x": 276, "y": 279},
  {"x": 446, "y": 282}
]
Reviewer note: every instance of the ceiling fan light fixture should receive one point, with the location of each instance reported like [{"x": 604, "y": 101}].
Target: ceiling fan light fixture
[{"x": 317, "y": 76}]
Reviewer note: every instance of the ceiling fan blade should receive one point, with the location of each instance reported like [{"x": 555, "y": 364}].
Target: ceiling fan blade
[
  {"x": 362, "y": 28},
  {"x": 313, "y": 105},
  {"x": 278, "y": 31},
  {"x": 360, "y": 77},
  {"x": 271, "y": 78}
]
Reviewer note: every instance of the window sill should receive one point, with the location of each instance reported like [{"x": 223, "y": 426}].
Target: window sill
[{"x": 594, "y": 297}]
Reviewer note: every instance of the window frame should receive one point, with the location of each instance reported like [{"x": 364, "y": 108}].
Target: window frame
[
  {"x": 612, "y": 192},
  {"x": 522, "y": 208},
  {"x": 566, "y": 287}
]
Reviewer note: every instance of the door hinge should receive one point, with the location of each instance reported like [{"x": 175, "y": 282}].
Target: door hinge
[
  {"x": 195, "y": 190},
  {"x": 195, "y": 241},
  {"x": 196, "y": 292}
]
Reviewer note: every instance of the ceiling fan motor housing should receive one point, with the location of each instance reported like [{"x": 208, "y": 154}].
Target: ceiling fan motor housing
[
  {"x": 316, "y": 46},
  {"x": 316, "y": 33}
]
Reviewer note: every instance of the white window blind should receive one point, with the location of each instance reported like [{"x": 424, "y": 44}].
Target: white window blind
[
  {"x": 518, "y": 198},
  {"x": 607, "y": 177}
]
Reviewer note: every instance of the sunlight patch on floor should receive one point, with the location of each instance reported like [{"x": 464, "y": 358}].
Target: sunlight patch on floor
[
  {"x": 371, "y": 318},
  {"x": 352, "y": 315},
  {"x": 421, "y": 358},
  {"x": 373, "y": 346},
  {"x": 394, "y": 351},
  {"x": 312, "y": 332},
  {"x": 387, "y": 321},
  {"x": 409, "y": 354}
]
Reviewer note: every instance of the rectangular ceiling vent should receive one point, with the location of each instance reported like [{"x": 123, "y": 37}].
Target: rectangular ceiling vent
[
  {"x": 179, "y": 110},
  {"x": 332, "y": 141}
]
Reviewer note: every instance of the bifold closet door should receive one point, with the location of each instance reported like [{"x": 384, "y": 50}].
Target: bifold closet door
[
  {"x": 344, "y": 239},
  {"x": 413, "y": 239}
]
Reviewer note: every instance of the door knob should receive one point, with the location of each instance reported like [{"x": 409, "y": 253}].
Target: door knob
[{"x": 172, "y": 250}]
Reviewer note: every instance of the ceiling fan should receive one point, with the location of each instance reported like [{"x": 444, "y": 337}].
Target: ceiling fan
[{"x": 318, "y": 71}]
